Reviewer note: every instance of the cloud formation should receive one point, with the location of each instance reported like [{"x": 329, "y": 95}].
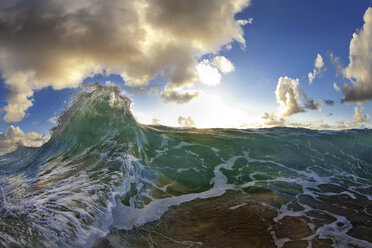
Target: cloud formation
[
  {"x": 13, "y": 137},
  {"x": 310, "y": 103},
  {"x": 209, "y": 71},
  {"x": 329, "y": 102},
  {"x": 318, "y": 68},
  {"x": 359, "y": 115},
  {"x": 288, "y": 96},
  {"x": 335, "y": 86},
  {"x": 59, "y": 43},
  {"x": 208, "y": 74},
  {"x": 272, "y": 120},
  {"x": 292, "y": 99},
  {"x": 186, "y": 122},
  {"x": 223, "y": 64},
  {"x": 359, "y": 70},
  {"x": 178, "y": 95}
]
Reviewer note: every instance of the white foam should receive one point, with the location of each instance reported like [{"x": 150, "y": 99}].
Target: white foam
[{"x": 127, "y": 217}]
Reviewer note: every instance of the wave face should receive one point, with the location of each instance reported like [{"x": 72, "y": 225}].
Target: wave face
[{"x": 105, "y": 180}]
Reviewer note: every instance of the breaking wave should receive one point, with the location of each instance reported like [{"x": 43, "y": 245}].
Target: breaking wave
[{"x": 103, "y": 176}]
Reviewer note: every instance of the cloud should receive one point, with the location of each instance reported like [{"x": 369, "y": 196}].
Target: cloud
[
  {"x": 359, "y": 70},
  {"x": 53, "y": 120},
  {"x": 359, "y": 116},
  {"x": 155, "y": 122},
  {"x": 13, "y": 137},
  {"x": 223, "y": 64},
  {"x": 271, "y": 120},
  {"x": 209, "y": 71},
  {"x": 208, "y": 74},
  {"x": 329, "y": 102},
  {"x": 337, "y": 64},
  {"x": 186, "y": 122},
  {"x": 310, "y": 103},
  {"x": 244, "y": 22},
  {"x": 60, "y": 43},
  {"x": 178, "y": 95},
  {"x": 340, "y": 124},
  {"x": 359, "y": 120},
  {"x": 335, "y": 86},
  {"x": 288, "y": 96},
  {"x": 319, "y": 65}
]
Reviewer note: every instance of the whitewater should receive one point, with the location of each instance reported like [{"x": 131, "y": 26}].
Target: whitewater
[{"x": 105, "y": 180}]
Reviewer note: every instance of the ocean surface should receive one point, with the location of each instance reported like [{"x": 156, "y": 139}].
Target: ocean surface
[{"x": 104, "y": 180}]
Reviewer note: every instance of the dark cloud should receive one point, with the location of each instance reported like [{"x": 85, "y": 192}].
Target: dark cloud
[
  {"x": 59, "y": 43},
  {"x": 329, "y": 102}
]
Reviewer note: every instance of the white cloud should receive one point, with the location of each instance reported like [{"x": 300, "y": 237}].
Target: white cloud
[
  {"x": 288, "y": 96},
  {"x": 53, "y": 120},
  {"x": 59, "y": 43},
  {"x": 272, "y": 120},
  {"x": 208, "y": 74},
  {"x": 185, "y": 122},
  {"x": 359, "y": 115},
  {"x": 340, "y": 124},
  {"x": 244, "y": 22},
  {"x": 335, "y": 86},
  {"x": 223, "y": 64},
  {"x": 359, "y": 70},
  {"x": 359, "y": 120},
  {"x": 13, "y": 137},
  {"x": 319, "y": 65}
]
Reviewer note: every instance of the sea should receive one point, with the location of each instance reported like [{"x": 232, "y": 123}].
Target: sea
[{"x": 105, "y": 180}]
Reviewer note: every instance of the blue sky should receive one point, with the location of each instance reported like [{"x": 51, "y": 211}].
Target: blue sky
[{"x": 283, "y": 39}]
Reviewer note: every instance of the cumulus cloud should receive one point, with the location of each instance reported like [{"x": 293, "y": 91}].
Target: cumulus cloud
[
  {"x": 223, "y": 64},
  {"x": 359, "y": 115},
  {"x": 359, "y": 70},
  {"x": 59, "y": 43},
  {"x": 319, "y": 67},
  {"x": 208, "y": 74},
  {"x": 292, "y": 99},
  {"x": 186, "y": 122},
  {"x": 209, "y": 71},
  {"x": 335, "y": 86},
  {"x": 329, "y": 102},
  {"x": 178, "y": 95},
  {"x": 359, "y": 120},
  {"x": 340, "y": 124},
  {"x": 13, "y": 137},
  {"x": 272, "y": 120},
  {"x": 288, "y": 96}
]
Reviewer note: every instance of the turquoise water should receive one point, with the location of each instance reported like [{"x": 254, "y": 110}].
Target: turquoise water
[{"x": 102, "y": 172}]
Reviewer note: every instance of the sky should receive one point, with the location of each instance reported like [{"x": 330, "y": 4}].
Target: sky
[{"x": 204, "y": 64}]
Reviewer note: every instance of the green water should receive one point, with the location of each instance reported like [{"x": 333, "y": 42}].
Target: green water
[{"x": 105, "y": 180}]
